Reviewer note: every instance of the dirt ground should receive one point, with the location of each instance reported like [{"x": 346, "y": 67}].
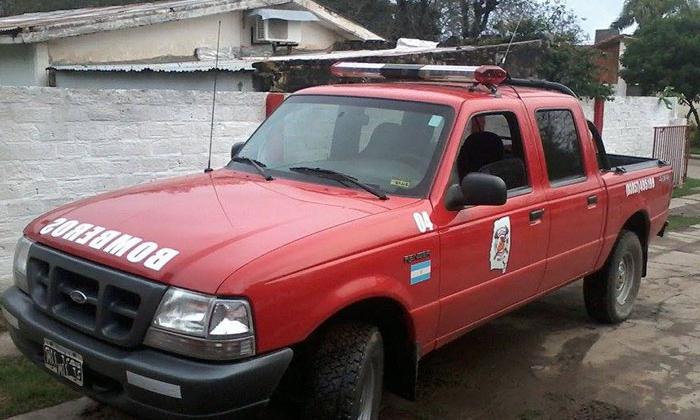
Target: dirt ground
[{"x": 549, "y": 361}]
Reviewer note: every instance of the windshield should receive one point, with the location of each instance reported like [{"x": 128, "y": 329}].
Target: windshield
[{"x": 392, "y": 146}]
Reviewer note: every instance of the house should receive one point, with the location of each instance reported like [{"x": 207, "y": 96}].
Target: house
[
  {"x": 174, "y": 35},
  {"x": 612, "y": 44}
]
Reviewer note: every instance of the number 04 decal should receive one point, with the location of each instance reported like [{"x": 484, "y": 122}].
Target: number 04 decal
[{"x": 423, "y": 222}]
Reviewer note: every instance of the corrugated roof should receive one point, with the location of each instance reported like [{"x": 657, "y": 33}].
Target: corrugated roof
[
  {"x": 40, "y": 27},
  {"x": 291, "y": 15},
  {"x": 247, "y": 63}
]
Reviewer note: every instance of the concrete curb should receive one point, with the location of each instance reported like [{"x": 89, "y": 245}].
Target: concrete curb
[
  {"x": 7, "y": 347},
  {"x": 65, "y": 411}
]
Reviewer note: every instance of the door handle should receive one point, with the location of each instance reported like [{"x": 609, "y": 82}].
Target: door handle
[
  {"x": 536, "y": 215},
  {"x": 592, "y": 200}
]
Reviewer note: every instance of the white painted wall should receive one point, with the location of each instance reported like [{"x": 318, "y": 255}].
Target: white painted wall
[
  {"x": 314, "y": 36},
  {"x": 174, "y": 39},
  {"x": 23, "y": 65},
  {"x": 629, "y": 123},
  {"x": 226, "y": 81},
  {"x": 59, "y": 145}
]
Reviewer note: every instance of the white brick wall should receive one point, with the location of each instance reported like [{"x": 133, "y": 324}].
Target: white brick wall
[
  {"x": 629, "y": 123},
  {"x": 57, "y": 145}
]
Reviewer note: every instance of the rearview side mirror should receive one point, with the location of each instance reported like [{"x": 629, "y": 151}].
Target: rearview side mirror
[
  {"x": 477, "y": 189},
  {"x": 235, "y": 149}
]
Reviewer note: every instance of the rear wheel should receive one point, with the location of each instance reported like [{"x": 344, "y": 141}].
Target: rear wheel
[
  {"x": 346, "y": 374},
  {"x": 610, "y": 294}
]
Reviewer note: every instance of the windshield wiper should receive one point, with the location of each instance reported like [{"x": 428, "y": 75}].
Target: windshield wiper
[
  {"x": 259, "y": 166},
  {"x": 340, "y": 177}
]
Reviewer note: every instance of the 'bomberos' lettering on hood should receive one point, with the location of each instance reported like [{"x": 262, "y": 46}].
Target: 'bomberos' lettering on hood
[{"x": 136, "y": 250}]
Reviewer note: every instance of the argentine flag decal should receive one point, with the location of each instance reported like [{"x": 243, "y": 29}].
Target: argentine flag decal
[{"x": 420, "y": 272}]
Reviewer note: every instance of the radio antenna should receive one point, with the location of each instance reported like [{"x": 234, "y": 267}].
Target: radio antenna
[
  {"x": 512, "y": 38},
  {"x": 213, "y": 102}
]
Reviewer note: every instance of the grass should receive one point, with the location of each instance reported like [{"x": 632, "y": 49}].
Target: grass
[
  {"x": 682, "y": 222},
  {"x": 25, "y": 387},
  {"x": 691, "y": 186},
  {"x": 695, "y": 149}
]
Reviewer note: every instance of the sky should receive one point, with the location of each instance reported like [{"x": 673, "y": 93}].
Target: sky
[{"x": 598, "y": 14}]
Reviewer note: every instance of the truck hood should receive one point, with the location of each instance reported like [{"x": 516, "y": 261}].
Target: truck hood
[{"x": 193, "y": 232}]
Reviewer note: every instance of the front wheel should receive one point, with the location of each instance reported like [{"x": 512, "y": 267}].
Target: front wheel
[
  {"x": 346, "y": 374},
  {"x": 610, "y": 294}
]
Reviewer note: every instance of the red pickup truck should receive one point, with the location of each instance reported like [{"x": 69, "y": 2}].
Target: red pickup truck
[{"x": 361, "y": 227}]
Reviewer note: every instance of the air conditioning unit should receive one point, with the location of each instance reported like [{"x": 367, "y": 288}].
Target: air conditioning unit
[{"x": 276, "y": 31}]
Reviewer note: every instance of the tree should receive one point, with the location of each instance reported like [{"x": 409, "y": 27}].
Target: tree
[
  {"x": 643, "y": 12},
  {"x": 551, "y": 20},
  {"x": 576, "y": 67},
  {"x": 666, "y": 53},
  {"x": 472, "y": 20},
  {"x": 375, "y": 15},
  {"x": 417, "y": 19}
]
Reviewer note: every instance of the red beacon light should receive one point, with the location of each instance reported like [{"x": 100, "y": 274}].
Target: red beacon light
[{"x": 489, "y": 76}]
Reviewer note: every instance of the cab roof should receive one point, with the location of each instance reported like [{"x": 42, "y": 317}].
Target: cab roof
[{"x": 453, "y": 94}]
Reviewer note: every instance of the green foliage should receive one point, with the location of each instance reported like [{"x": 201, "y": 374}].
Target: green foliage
[
  {"x": 24, "y": 387},
  {"x": 498, "y": 20},
  {"x": 548, "y": 19},
  {"x": 665, "y": 53},
  {"x": 680, "y": 222},
  {"x": 643, "y": 12},
  {"x": 575, "y": 66},
  {"x": 416, "y": 19},
  {"x": 375, "y": 15}
]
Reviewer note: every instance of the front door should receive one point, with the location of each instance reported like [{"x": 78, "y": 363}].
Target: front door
[{"x": 493, "y": 257}]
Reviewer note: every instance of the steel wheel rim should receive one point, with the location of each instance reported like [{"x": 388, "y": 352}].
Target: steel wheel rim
[
  {"x": 625, "y": 279},
  {"x": 367, "y": 396}
]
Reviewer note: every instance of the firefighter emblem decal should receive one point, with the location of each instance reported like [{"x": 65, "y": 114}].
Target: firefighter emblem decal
[{"x": 500, "y": 244}]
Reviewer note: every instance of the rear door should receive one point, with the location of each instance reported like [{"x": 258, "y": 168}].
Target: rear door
[{"x": 575, "y": 194}]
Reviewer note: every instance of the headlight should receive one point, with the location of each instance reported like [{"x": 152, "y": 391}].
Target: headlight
[
  {"x": 202, "y": 326},
  {"x": 19, "y": 265}
]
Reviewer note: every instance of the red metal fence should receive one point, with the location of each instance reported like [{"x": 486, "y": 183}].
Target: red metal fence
[{"x": 671, "y": 145}]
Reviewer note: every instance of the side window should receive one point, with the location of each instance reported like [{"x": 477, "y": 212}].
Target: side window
[
  {"x": 561, "y": 144},
  {"x": 493, "y": 145}
]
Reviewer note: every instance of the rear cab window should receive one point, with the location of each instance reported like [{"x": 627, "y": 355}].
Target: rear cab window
[{"x": 562, "y": 146}]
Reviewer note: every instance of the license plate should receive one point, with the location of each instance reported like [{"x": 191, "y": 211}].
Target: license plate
[{"x": 63, "y": 362}]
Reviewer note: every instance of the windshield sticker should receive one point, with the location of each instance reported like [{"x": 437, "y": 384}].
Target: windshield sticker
[
  {"x": 133, "y": 249},
  {"x": 423, "y": 222},
  {"x": 400, "y": 183},
  {"x": 435, "y": 121},
  {"x": 500, "y": 244},
  {"x": 420, "y": 272},
  {"x": 640, "y": 185}
]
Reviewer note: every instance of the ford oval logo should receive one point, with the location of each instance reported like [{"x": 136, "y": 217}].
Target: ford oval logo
[{"x": 78, "y": 297}]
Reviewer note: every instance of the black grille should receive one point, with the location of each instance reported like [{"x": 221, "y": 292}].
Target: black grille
[{"x": 105, "y": 303}]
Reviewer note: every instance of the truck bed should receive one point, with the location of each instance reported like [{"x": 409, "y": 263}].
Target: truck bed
[{"x": 632, "y": 163}]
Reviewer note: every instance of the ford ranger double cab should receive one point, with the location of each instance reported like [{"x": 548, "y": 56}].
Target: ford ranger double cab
[{"x": 362, "y": 226}]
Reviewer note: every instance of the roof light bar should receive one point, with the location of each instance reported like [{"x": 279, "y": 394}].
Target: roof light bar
[{"x": 487, "y": 75}]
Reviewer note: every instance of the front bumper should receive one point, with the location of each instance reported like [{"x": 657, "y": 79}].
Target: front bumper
[{"x": 173, "y": 387}]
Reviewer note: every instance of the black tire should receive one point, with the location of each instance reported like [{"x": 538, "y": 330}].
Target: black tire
[
  {"x": 610, "y": 299},
  {"x": 348, "y": 360}
]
